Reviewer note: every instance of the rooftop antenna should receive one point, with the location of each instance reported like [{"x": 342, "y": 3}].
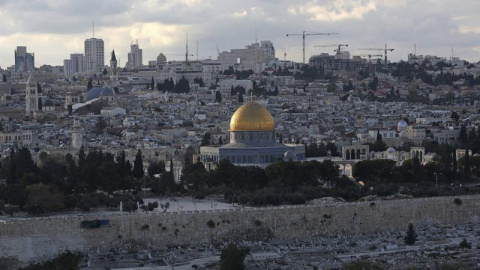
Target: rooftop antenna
[
  {"x": 186, "y": 52},
  {"x": 415, "y": 49},
  {"x": 93, "y": 28},
  {"x": 256, "y": 35},
  {"x": 452, "y": 54},
  {"x": 197, "y": 50}
]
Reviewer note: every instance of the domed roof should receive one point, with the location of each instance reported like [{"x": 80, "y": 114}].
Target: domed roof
[
  {"x": 97, "y": 92},
  {"x": 252, "y": 116},
  {"x": 402, "y": 125},
  {"x": 289, "y": 155},
  {"x": 391, "y": 150},
  {"x": 49, "y": 103}
]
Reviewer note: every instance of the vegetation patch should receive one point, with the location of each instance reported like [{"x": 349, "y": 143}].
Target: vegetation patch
[
  {"x": 211, "y": 224},
  {"x": 458, "y": 201}
]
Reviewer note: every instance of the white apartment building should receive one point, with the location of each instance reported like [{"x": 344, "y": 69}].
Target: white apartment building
[
  {"x": 94, "y": 54},
  {"x": 252, "y": 54},
  {"x": 76, "y": 64},
  {"x": 135, "y": 59}
]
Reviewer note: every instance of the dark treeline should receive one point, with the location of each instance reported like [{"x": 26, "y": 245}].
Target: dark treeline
[
  {"x": 414, "y": 71},
  {"x": 280, "y": 183},
  {"x": 97, "y": 179},
  {"x": 321, "y": 150},
  {"x": 182, "y": 86}
]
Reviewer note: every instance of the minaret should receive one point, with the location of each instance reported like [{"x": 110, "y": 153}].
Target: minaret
[
  {"x": 77, "y": 136},
  {"x": 31, "y": 95},
  {"x": 113, "y": 69}
]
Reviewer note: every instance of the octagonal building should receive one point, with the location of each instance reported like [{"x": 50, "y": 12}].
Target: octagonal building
[{"x": 252, "y": 140}]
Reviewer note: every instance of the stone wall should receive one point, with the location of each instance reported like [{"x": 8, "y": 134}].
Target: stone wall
[{"x": 37, "y": 238}]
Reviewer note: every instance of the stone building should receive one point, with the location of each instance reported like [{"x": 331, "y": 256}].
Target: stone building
[{"x": 252, "y": 141}]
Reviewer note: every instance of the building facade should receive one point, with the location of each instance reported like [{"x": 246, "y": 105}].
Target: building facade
[
  {"x": 76, "y": 64},
  {"x": 135, "y": 59},
  {"x": 94, "y": 54},
  {"x": 252, "y": 141},
  {"x": 24, "y": 62}
]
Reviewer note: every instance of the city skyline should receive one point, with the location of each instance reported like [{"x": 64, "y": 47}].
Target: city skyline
[{"x": 55, "y": 29}]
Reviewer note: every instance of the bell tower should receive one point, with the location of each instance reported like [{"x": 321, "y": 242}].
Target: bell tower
[
  {"x": 31, "y": 96},
  {"x": 77, "y": 135},
  {"x": 113, "y": 69}
]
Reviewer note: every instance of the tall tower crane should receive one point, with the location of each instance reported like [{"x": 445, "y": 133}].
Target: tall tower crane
[
  {"x": 338, "y": 50},
  {"x": 309, "y": 33},
  {"x": 379, "y": 49}
]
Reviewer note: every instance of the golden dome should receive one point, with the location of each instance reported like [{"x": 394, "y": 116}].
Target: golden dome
[{"x": 252, "y": 116}]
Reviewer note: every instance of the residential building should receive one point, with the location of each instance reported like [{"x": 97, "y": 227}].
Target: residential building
[
  {"x": 94, "y": 54},
  {"x": 135, "y": 57},
  {"x": 24, "y": 62},
  {"x": 76, "y": 64}
]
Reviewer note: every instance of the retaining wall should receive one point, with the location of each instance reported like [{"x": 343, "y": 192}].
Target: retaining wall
[{"x": 37, "y": 238}]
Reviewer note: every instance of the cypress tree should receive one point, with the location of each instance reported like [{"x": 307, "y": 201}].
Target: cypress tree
[
  {"x": 411, "y": 236},
  {"x": 138, "y": 165}
]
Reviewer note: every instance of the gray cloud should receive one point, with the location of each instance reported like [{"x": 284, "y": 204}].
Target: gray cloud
[{"x": 435, "y": 26}]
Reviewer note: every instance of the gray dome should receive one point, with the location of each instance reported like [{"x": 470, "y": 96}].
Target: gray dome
[
  {"x": 97, "y": 92},
  {"x": 289, "y": 155},
  {"x": 402, "y": 125},
  {"x": 48, "y": 103},
  {"x": 107, "y": 92}
]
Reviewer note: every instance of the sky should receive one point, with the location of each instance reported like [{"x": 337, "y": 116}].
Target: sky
[{"x": 53, "y": 29}]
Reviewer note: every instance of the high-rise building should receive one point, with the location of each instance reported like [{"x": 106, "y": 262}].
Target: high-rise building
[
  {"x": 135, "y": 56},
  {"x": 76, "y": 64},
  {"x": 24, "y": 62},
  {"x": 94, "y": 54}
]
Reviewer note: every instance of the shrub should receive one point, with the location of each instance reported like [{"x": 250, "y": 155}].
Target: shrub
[
  {"x": 257, "y": 223},
  {"x": 211, "y": 224},
  {"x": 465, "y": 244},
  {"x": 145, "y": 227},
  {"x": 458, "y": 201}
]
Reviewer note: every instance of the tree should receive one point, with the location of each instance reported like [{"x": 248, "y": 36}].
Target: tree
[
  {"x": 466, "y": 166},
  {"x": 43, "y": 199},
  {"x": 465, "y": 244},
  {"x": 105, "y": 72},
  {"x": 40, "y": 104},
  {"x": 100, "y": 125},
  {"x": 89, "y": 84},
  {"x": 206, "y": 139},
  {"x": 240, "y": 97},
  {"x": 39, "y": 88},
  {"x": 411, "y": 236},
  {"x": 455, "y": 116},
  {"x": 152, "y": 83},
  {"x": 332, "y": 87},
  {"x": 218, "y": 97},
  {"x": 463, "y": 137},
  {"x": 4, "y": 78},
  {"x": 138, "y": 165},
  {"x": 232, "y": 258}
]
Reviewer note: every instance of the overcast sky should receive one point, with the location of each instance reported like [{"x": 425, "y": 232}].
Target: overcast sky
[{"x": 53, "y": 29}]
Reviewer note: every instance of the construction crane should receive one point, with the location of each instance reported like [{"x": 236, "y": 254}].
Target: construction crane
[
  {"x": 309, "y": 33},
  {"x": 369, "y": 60},
  {"x": 379, "y": 49},
  {"x": 338, "y": 50}
]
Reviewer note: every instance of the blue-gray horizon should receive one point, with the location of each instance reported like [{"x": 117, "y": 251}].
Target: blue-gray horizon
[{"x": 54, "y": 29}]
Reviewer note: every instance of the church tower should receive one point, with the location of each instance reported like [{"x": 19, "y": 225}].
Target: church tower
[
  {"x": 113, "y": 69},
  {"x": 77, "y": 136},
  {"x": 31, "y": 96}
]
